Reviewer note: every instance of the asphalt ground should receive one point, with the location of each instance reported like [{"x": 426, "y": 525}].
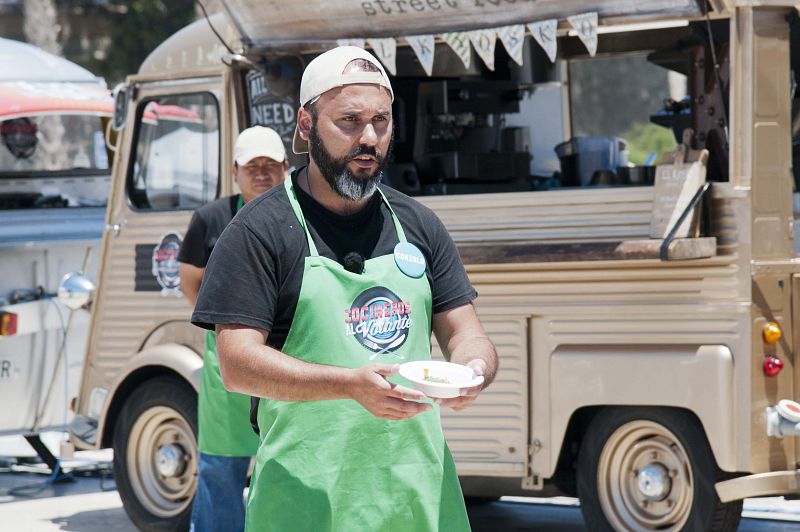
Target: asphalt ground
[{"x": 88, "y": 502}]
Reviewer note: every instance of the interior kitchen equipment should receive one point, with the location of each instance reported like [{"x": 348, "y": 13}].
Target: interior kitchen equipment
[
  {"x": 462, "y": 140},
  {"x": 581, "y": 157}
]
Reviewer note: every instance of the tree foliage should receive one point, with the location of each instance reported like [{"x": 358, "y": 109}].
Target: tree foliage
[
  {"x": 124, "y": 32},
  {"x": 645, "y": 138}
]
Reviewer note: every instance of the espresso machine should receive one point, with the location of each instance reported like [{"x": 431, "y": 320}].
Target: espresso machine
[{"x": 461, "y": 143}]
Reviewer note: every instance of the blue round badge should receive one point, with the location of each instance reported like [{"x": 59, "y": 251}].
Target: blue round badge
[{"x": 409, "y": 259}]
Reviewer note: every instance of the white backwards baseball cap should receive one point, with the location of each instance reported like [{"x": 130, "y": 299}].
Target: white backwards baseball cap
[
  {"x": 326, "y": 72},
  {"x": 258, "y": 141}
]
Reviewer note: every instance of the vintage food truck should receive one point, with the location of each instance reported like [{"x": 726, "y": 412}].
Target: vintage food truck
[
  {"x": 54, "y": 181},
  {"x": 650, "y": 374}
]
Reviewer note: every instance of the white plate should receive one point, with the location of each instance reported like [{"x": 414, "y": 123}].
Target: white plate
[{"x": 457, "y": 375}]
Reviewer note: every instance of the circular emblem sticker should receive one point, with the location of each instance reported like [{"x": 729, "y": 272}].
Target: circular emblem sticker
[
  {"x": 19, "y": 136},
  {"x": 409, "y": 259},
  {"x": 165, "y": 264}
]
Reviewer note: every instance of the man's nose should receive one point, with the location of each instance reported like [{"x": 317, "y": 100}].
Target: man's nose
[{"x": 369, "y": 136}]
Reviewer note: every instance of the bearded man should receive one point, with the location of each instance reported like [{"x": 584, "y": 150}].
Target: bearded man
[{"x": 318, "y": 290}]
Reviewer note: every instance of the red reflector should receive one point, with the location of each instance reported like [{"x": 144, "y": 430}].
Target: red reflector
[
  {"x": 772, "y": 366},
  {"x": 8, "y": 323}
]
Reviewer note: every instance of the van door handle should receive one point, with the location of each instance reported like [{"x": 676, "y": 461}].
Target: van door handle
[{"x": 115, "y": 228}]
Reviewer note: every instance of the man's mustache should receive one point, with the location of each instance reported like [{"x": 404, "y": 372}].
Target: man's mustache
[{"x": 363, "y": 149}]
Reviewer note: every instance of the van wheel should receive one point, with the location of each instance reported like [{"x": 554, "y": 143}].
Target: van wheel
[
  {"x": 650, "y": 469},
  {"x": 155, "y": 454}
]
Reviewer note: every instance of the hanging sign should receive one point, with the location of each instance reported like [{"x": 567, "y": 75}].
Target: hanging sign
[
  {"x": 545, "y": 34},
  {"x": 459, "y": 42},
  {"x": 274, "y": 104},
  {"x": 484, "y": 42},
  {"x": 351, "y": 42},
  {"x": 423, "y": 46},
  {"x": 586, "y": 26},
  {"x": 386, "y": 50},
  {"x": 513, "y": 38}
]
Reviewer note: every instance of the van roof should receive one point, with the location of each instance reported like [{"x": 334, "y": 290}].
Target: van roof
[
  {"x": 271, "y": 24},
  {"x": 194, "y": 47}
]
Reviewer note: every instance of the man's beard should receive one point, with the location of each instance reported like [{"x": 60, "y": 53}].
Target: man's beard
[{"x": 344, "y": 182}]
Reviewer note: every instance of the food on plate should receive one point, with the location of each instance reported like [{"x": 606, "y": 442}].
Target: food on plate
[{"x": 431, "y": 378}]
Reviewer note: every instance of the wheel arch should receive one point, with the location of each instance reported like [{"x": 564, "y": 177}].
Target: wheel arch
[
  {"x": 697, "y": 379},
  {"x": 166, "y": 360}
]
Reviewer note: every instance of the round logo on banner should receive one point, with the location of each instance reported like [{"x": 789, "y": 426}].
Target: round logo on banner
[
  {"x": 409, "y": 259},
  {"x": 165, "y": 263},
  {"x": 19, "y": 136},
  {"x": 379, "y": 320}
]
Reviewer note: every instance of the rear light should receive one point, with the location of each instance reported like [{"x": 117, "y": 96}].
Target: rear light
[
  {"x": 772, "y": 365},
  {"x": 771, "y": 333},
  {"x": 8, "y": 323}
]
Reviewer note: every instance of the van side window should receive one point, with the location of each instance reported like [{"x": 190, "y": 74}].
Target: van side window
[{"x": 176, "y": 165}]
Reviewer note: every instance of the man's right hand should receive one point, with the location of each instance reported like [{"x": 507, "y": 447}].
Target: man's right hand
[{"x": 383, "y": 399}]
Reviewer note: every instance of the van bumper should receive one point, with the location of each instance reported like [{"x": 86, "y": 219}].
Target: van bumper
[{"x": 759, "y": 485}]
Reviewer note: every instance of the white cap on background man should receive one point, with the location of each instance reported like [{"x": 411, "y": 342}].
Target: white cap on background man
[{"x": 258, "y": 141}]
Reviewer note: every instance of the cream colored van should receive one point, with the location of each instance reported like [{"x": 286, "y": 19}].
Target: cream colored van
[{"x": 653, "y": 377}]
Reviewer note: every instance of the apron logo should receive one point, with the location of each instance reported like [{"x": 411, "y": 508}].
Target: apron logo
[
  {"x": 165, "y": 264},
  {"x": 379, "y": 320}
]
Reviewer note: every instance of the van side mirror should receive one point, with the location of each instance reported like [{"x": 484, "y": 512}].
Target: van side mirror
[
  {"x": 76, "y": 291},
  {"x": 121, "y": 97}
]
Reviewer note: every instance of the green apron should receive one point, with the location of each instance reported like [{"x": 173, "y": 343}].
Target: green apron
[
  {"x": 331, "y": 465},
  {"x": 223, "y": 417}
]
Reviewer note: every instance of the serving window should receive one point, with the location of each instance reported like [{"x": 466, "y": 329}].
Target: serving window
[{"x": 579, "y": 122}]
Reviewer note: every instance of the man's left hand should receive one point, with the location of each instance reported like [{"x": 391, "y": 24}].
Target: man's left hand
[{"x": 467, "y": 395}]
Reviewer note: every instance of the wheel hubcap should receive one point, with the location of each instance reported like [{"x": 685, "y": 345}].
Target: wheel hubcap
[
  {"x": 161, "y": 460},
  {"x": 170, "y": 461},
  {"x": 654, "y": 483},
  {"x": 644, "y": 478}
]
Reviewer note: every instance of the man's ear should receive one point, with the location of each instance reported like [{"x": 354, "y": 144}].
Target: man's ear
[
  {"x": 285, "y": 165},
  {"x": 304, "y": 123},
  {"x": 235, "y": 172}
]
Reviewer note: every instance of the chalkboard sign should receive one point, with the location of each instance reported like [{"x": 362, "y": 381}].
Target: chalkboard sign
[
  {"x": 675, "y": 186},
  {"x": 272, "y": 98}
]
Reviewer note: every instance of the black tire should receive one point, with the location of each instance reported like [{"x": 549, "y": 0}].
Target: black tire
[
  {"x": 621, "y": 445},
  {"x": 160, "y": 413}
]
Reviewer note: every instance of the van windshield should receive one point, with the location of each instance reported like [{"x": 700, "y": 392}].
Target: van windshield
[{"x": 53, "y": 161}]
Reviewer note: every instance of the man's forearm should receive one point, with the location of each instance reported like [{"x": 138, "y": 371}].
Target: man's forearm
[
  {"x": 463, "y": 339},
  {"x": 476, "y": 347},
  {"x": 252, "y": 368}
]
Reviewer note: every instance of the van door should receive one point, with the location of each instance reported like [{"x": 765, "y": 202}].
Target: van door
[{"x": 169, "y": 165}]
